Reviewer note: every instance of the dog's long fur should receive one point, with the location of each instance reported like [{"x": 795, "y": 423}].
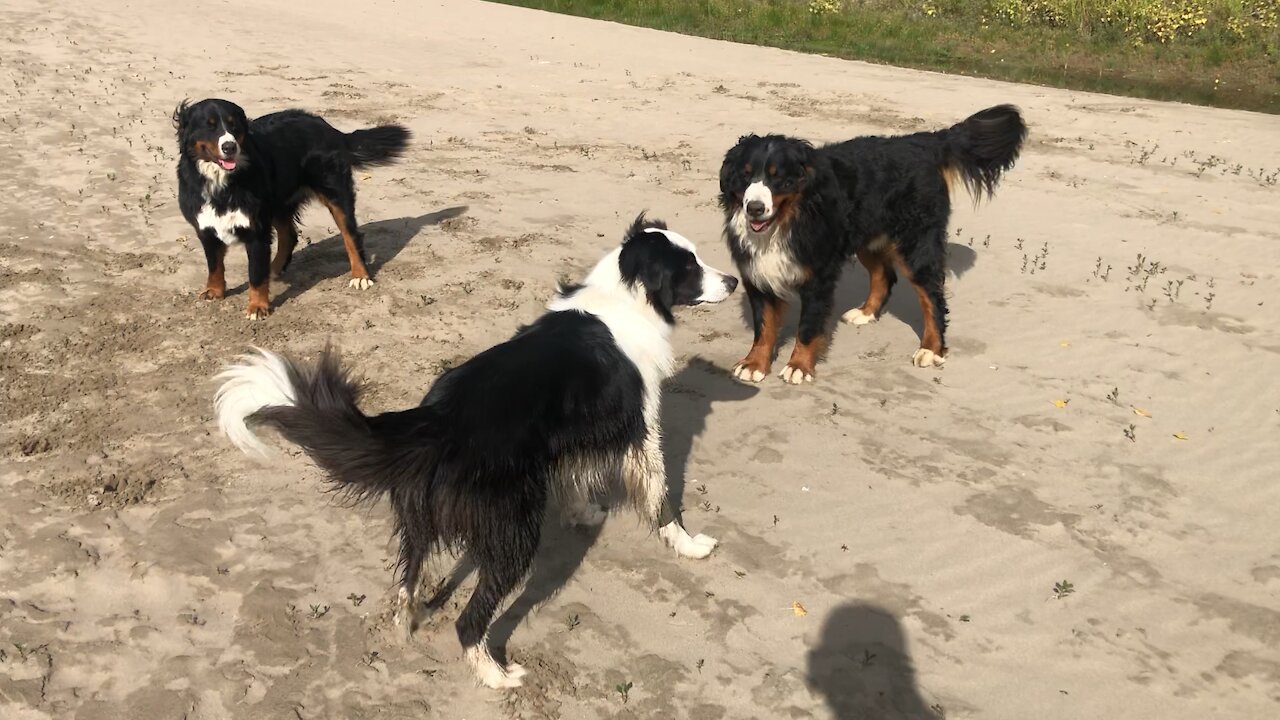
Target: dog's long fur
[
  {"x": 566, "y": 406},
  {"x": 794, "y": 214},
  {"x": 240, "y": 180}
]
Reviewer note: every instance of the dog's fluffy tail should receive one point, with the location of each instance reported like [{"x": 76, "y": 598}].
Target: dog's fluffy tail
[
  {"x": 982, "y": 148},
  {"x": 380, "y": 145},
  {"x": 315, "y": 407}
]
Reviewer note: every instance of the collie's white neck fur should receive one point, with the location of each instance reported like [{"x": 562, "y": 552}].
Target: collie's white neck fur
[{"x": 641, "y": 333}]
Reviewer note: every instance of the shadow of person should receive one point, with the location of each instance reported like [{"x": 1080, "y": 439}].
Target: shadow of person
[
  {"x": 687, "y": 401},
  {"x": 862, "y": 668},
  {"x": 383, "y": 240}
]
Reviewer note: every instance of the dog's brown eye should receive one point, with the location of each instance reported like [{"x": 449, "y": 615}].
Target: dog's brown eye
[{"x": 213, "y": 122}]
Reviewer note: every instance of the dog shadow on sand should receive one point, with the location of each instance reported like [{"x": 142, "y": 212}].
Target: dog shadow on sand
[
  {"x": 688, "y": 399},
  {"x": 852, "y": 290},
  {"x": 327, "y": 259},
  {"x": 862, "y": 669}
]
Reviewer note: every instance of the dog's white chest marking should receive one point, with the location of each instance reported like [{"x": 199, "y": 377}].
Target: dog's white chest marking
[
  {"x": 224, "y": 224},
  {"x": 772, "y": 267}
]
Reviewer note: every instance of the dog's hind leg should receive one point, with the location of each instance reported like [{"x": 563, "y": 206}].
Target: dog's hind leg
[
  {"x": 882, "y": 278},
  {"x": 416, "y": 540},
  {"x": 927, "y": 274},
  {"x": 286, "y": 240},
  {"x": 504, "y": 552},
  {"x": 342, "y": 205}
]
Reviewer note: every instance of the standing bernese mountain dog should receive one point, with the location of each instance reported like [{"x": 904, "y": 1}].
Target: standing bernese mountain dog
[
  {"x": 794, "y": 214},
  {"x": 240, "y": 179},
  {"x": 564, "y": 408}
]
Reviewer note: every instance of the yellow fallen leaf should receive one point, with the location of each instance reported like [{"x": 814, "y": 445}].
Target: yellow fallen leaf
[
  {"x": 1141, "y": 413},
  {"x": 1180, "y": 436},
  {"x": 1060, "y": 403},
  {"x": 1064, "y": 343},
  {"x": 798, "y": 609}
]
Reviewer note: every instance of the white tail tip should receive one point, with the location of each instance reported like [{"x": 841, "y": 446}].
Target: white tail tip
[{"x": 259, "y": 380}]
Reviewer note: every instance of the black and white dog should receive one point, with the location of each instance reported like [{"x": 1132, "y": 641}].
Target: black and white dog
[
  {"x": 240, "y": 179},
  {"x": 565, "y": 407}
]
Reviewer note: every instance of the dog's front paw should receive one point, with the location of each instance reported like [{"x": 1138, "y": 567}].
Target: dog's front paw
[
  {"x": 796, "y": 375},
  {"x": 924, "y": 358},
  {"x": 361, "y": 283},
  {"x": 750, "y": 369},
  {"x": 697, "y": 547},
  {"x": 257, "y": 311},
  {"x": 213, "y": 293}
]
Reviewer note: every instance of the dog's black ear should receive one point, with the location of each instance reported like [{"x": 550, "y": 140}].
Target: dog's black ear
[
  {"x": 641, "y": 263},
  {"x": 660, "y": 286},
  {"x": 731, "y": 178},
  {"x": 180, "y": 115}
]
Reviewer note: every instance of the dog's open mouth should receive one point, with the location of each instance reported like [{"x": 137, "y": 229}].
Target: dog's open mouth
[
  {"x": 760, "y": 225},
  {"x": 227, "y": 165}
]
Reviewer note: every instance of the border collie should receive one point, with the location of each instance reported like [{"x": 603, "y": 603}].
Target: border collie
[
  {"x": 238, "y": 180},
  {"x": 794, "y": 214},
  {"x": 563, "y": 408}
]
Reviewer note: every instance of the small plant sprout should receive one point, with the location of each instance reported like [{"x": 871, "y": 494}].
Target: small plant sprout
[
  {"x": 624, "y": 689},
  {"x": 355, "y": 599},
  {"x": 964, "y": 618},
  {"x": 572, "y": 621},
  {"x": 1114, "y": 395},
  {"x": 319, "y": 611},
  {"x": 1131, "y": 432},
  {"x": 1063, "y": 589}
]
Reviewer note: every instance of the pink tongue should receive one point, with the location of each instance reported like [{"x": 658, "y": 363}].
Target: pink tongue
[
  {"x": 758, "y": 226},
  {"x": 227, "y": 164}
]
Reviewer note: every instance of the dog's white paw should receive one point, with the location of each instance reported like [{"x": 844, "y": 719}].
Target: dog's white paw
[
  {"x": 857, "y": 317},
  {"x": 795, "y": 376},
  {"x": 746, "y": 374},
  {"x": 406, "y": 616},
  {"x": 694, "y": 547},
  {"x": 493, "y": 675},
  {"x": 697, "y": 547},
  {"x": 361, "y": 283},
  {"x": 256, "y": 315},
  {"x": 927, "y": 358}
]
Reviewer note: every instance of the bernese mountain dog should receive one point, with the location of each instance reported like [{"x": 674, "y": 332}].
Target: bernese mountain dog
[
  {"x": 564, "y": 408},
  {"x": 240, "y": 179},
  {"x": 794, "y": 214}
]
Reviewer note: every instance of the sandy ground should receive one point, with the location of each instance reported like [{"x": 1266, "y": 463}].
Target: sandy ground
[{"x": 922, "y": 518}]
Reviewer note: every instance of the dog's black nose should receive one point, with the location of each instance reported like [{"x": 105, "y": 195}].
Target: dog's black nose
[
  {"x": 228, "y": 148},
  {"x": 730, "y": 282},
  {"x": 755, "y": 208}
]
